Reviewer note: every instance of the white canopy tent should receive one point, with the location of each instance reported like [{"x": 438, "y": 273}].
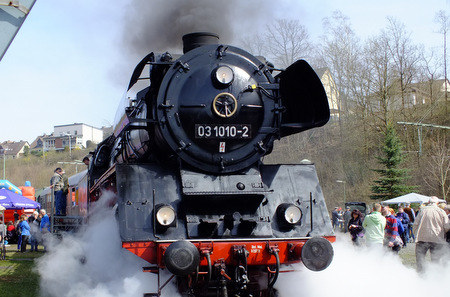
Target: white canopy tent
[{"x": 409, "y": 198}]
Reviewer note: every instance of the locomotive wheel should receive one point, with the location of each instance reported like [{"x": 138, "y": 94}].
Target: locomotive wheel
[
  {"x": 183, "y": 284},
  {"x": 273, "y": 292}
]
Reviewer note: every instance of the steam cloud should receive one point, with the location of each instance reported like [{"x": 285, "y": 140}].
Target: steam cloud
[
  {"x": 361, "y": 272},
  {"x": 93, "y": 263}
]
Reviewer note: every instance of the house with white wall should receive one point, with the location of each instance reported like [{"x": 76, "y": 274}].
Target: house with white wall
[{"x": 71, "y": 135}]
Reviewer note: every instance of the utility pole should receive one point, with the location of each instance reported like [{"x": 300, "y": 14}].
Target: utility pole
[
  {"x": 3, "y": 151},
  {"x": 343, "y": 182},
  {"x": 419, "y": 130},
  {"x": 76, "y": 163}
]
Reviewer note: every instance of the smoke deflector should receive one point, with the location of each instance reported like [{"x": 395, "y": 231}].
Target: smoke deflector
[{"x": 304, "y": 99}]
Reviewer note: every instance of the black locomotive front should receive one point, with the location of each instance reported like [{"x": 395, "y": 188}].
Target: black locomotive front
[
  {"x": 185, "y": 161},
  {"x": 214, "y": 118}
]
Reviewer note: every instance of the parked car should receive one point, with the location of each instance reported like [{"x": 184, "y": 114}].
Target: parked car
[{"x": 361, "y": 206}]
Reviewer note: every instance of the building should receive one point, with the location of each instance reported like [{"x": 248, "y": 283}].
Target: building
[
  {"x": 72, "y": 136},
  {"x": 414, "y": 95},
  {"x": 331, "y": 90},
  {"x": 14, "y": 150},
  {"x": 427, "y": 92}
]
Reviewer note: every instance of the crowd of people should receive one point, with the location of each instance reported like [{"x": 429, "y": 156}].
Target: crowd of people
[
  {"x": 27, "y": 230},
  {"x": 428, "y": 227}
]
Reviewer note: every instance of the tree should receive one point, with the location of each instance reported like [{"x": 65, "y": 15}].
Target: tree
[
  {"x": 428, "y": 73},
  {"x": 391, "y": 61},
  {"x": 381, "y": 78},
  {"x": 404, "y": 55},
  {"x": 340, "y": 54},
  {"x": 438, "y": 177},
  {"x": 444, "y": 21},
  {"x": 254, "y": 43},
  {"x": 288, "y": 41},
  {"x": 392, "y": 177}
]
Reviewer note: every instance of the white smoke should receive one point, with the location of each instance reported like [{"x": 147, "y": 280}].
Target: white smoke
[
  {"x": 93, "y": 263},
  {"x": 362, "y": 272}
]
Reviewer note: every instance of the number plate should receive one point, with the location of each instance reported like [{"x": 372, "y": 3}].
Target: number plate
[{"x": 212, "y": 131}]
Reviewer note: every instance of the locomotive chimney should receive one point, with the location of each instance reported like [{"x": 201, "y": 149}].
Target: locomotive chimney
[{"x": 197, "y": 39}]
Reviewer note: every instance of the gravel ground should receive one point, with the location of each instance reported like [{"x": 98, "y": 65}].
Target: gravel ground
[{"x": 408, "y": 255}]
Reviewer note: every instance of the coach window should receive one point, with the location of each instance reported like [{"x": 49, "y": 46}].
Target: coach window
[{"x": 74, "y": 196}]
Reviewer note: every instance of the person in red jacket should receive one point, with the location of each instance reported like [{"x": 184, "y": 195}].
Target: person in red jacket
[
  {"x": 391, "y": 231},
  {"x": 11, "y": 234}
]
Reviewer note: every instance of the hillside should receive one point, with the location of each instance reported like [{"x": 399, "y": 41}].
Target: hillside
[
  {"x": 343, "y": 149},
  {"x": 346, "y": 150},
  {"x": 38, "y": 170}
]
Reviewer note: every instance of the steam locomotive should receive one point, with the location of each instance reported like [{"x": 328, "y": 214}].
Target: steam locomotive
[{"x": 193, "y": 196}]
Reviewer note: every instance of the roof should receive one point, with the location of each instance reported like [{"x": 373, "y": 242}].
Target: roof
[
  {"x": 75, "y": 124},
  {"x": 37, "y": 143},
  {"x": 73, "y": 180},
  {"x": 12, "y": 147},
  {"x": 409, "y": 198},
  {"x": 321, "y": 71}
]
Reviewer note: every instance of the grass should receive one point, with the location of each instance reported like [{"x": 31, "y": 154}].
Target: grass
[{"x": 17, "y": 275}]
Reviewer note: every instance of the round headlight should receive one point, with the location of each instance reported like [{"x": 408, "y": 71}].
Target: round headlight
[
  {"x": 288, "y": 215},
  {"x": 224, "y": 75},
  {"x": 292, "y": 214},
  {"x": 165, "y": 215}
]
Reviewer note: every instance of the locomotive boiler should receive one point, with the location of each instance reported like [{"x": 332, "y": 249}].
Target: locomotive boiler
[{"x": 193, "y": 196}]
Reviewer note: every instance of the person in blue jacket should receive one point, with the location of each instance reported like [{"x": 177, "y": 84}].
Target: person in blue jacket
[
  {"x": 25, "y": 227},
  {"x": 45, "y": 222},
  {"x": 44, "y": 227},
  {"x": 404, "y": 218}
]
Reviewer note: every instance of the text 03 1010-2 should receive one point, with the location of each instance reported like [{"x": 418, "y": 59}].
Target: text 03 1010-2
[{"x": 222, "y": 131}]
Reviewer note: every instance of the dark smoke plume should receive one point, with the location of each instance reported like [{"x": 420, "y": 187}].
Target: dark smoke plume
[{"x": 158, "y": 25}]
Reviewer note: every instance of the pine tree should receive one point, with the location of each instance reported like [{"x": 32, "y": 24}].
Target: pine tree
[{"x": 392, "y": 177}]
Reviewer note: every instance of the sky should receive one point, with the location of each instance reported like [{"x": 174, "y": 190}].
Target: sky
[{"x": 71, "y": 60}]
